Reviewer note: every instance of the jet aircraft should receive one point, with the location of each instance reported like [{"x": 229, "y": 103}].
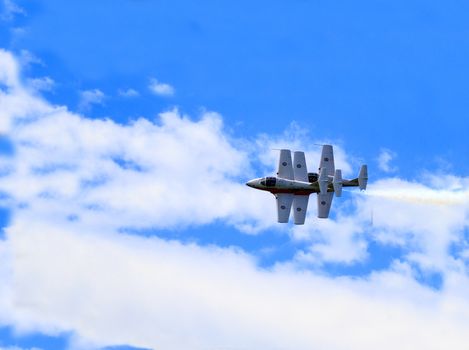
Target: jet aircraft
[{"x": 293, "y": 184}]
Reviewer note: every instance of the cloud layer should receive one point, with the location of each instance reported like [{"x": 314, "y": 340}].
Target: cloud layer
[
  {"x": 151, "y": 293},
  {"x": 74, "y": 184}
]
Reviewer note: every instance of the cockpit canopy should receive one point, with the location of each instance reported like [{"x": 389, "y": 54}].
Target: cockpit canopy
[
  {"x": 313, "y": 177},
  {"x": 269, "y": 181}
]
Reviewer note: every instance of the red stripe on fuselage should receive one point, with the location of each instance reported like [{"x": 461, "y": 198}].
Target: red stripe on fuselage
[{"x": 298, "y": 192}]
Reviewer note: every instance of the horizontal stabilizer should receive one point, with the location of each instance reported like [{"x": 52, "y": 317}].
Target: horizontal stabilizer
[{"x": 363, "y": 177}]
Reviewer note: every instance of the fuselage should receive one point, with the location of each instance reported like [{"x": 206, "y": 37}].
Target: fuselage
[{"x": 280, "y": 185}]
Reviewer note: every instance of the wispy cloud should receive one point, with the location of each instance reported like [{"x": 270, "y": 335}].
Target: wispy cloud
[
  {"x": 27, "y": 58},
  {"x": 384, "y": 160},
  {"x": 11, "y": 10},
  {"x": 41, "y": 84},
  {"x": 160, "y": 89},
  {"x": 90, "y": 97},
  {"x": 128, "y": 93}
]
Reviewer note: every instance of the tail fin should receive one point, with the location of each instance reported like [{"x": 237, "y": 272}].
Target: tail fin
[{"x": 363, "y": 177}]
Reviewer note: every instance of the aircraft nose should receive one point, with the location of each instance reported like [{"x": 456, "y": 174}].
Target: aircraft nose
[{"x": 250, "y": 183}]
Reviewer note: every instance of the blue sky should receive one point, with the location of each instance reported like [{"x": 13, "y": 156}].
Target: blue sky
[
  {"x": 136, "y": 123},
  {"x": 362, "y": 72}
]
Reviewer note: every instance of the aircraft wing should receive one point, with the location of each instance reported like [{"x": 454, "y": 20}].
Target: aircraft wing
[
  {"x": 285, "y": 169},
  {"x": 327, "y": 160},
  {"x": 284, "y": 201},
  {"x": 299, "y": 166},
  {"x": 300, "y": 205},
  {"x": 324, "y": 204}
]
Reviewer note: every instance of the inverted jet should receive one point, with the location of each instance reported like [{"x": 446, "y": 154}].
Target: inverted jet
[{"x": 293, "y": 184}]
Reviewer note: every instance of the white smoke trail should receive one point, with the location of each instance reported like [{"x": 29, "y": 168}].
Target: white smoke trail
[{"x": 422, "y": 196}]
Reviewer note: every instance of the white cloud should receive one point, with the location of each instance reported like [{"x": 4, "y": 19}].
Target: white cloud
[
  {"x": 117, "y": 289},
  {"x": 41, "y": 84},
  {"x": 336, "y": 241},
  {"x": 11, "y": 10},
  {"x": 27, "y": 58},
  {"x": 74, "y": 182},
  {"x": 384, "y": 159},
  {"x": 128, "y": 93},
  {"x": 15, "y": 101},
  {"x": 9, "y": 70},
  {"x": 73, "y": 165},
  {"x": 90, "y": 97},
  {"x": 160, "y": 89},
  {"x": 167, "y": 173},
  {"x": 424, "y": 220}
]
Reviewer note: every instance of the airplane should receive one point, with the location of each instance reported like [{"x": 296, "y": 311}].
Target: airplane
[{"x": 293, "y": 184}]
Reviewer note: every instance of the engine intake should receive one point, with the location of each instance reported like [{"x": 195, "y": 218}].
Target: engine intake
[{"x": 313, "y": 177}]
